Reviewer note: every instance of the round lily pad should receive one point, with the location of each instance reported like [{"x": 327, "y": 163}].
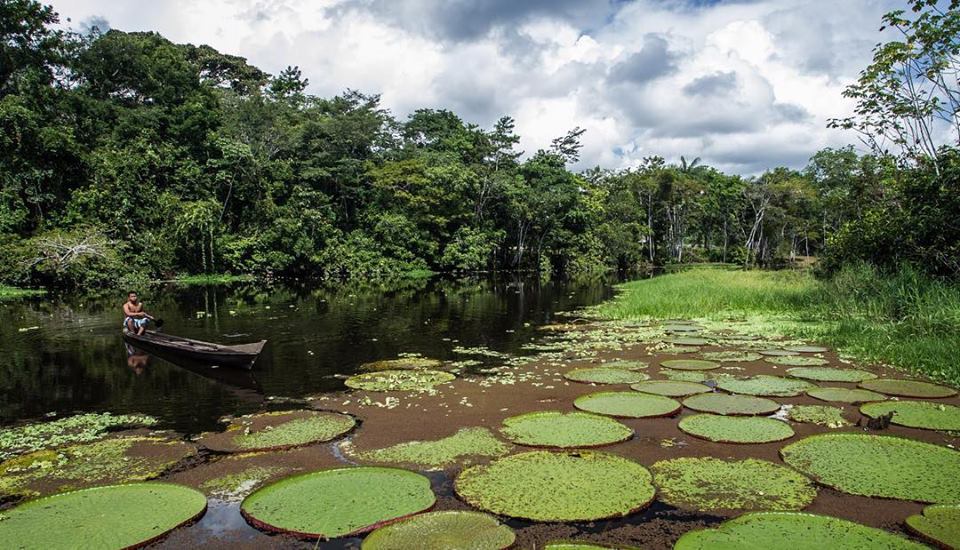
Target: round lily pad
[
  {"x": 708, "y": 484},
  {"x": 442, "y": 531},
  {"x": 627, "y": 365},
  {"x": 559, "y": 429},
  {"x": 399, "y": 380},
  {"x": 686, "y": 375},
  {"x": 765, "y": 385},
  {"x": 830, "y": 374},
  {"x": 732, "y": 356},
  {"x": 939, "y": 524},
  {"x": 605, "y": 375},
  {"x": 908, "y": 388},
  {"x": 821, "y": 415},
  {"x": 794, "y": 530},
  {"x": 807, "y": 349},
  {"x": 687, "y": 341},
  {"x": 878, "y": 466},
  {"x": 278, "y": 430},
  {"x": 845, "y": 395},
  {"x": 574, "y": 545},
  {"x": 339, "y": 502},
  {"x": 917, "y": 414},
  {"x": 402, "y": 363},
  {"x": 550, "y": 486},
  {"x": 690, "y": 364},
  {"x": 670, "y": 388},
  {"x": 681, "y": 328},
  {"x": 670, "y": 350},
  {"x": 114, "y": 516},
  {"x": 777, "y": 352},
  {"x": 628, "y": 404},
  {"x": 736, "y": 405},
  {"x": 730, "y": 429},
  {"x": 797, "y": 361}
]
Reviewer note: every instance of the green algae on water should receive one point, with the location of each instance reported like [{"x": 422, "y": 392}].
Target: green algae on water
[
  {"x": 939, "y": 524},
  {"x": 733, "y": 429},
  {"x": 399, "y": 380},
  {"x": 564, "y": 430},
  {"x": 466, "y": 443},
  {"x": 605, "y": 375},
  {"x": 628, "y": 404},
  {"x": 917, "y": 414},
  {"x": 821, "y": 415},
  {"x": 442, "y": 531},
  {"x": 765, "y": 385},
  {"x": 733, "y": 405},
  {"x": 81, "y": 428},
  {"x": 845, "y": 395}
]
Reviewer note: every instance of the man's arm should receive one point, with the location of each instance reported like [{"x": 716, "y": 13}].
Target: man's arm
[{"x": 129, "y": 312}]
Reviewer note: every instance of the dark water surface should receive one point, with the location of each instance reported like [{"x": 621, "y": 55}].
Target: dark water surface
[{"x": 64, "y": 355}]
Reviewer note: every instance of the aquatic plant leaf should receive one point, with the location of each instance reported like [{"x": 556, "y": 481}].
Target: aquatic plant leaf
[
  {"x": 682, "y": 328},
  {"x": 605, "y": 375},
  {"x": 552, "y": 486},
  {"x": 573, "y": 545},
  {"x": 908, "y": 388},
  {"x": 732, "y": 356},
  {"x": 765, "y": 385},
  {"x": 339, "y": 502},
  {"x": 627, "y": 365},
  {"x": 821, "y": 415},
  {"x": 807, "y": 349},
  {"x": 399, "y": 380},
  {"x": 878, "y": 466},
  {"x": 709, "y": 484},
  {"x": 278, "y": 430},
  {"x": 442, "y": 531},
  {"x": 689, "y": 364},
  {"x": 692, "y": 375},
  {"x": 794, "y": 530},
  {"x": 560, "y": 429},
  {"x": 797, "y": 361},
  {"x": 735, "y": 405},
  {"x": 845, "y": 395},
  {"x": 917, "y": 414},
  {"x": 939, "y": 524},
  {"x": 777, "y": 352},
  {"x": 687, "y": 341},
  {"x": 628, "y": 404},
  {"x": 402, "y": 363},
  {"x": 830, "y": 374},
  {"x": 732, "y": 429},
  {"x": 81, "y": 428},
  {"x": 113, "y": 516},
  {"x": 467, "y": 442},
  {"x": 672, "y": 350},
  {"x": 670, "y": 388}
]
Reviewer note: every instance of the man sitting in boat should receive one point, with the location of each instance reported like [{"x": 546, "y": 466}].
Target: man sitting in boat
[{"x": 135, "y": 319}]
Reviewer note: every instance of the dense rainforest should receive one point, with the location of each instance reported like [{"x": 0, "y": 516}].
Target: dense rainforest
[{"x": 124, "y": 156}]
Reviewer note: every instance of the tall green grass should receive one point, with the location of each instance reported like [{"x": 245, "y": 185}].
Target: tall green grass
[
  {"x": 9, "y": 292},
  {"x": 905, "y": 320}
]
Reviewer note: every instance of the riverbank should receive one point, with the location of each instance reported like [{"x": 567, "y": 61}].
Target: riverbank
[{"x": 905, "y": 320}]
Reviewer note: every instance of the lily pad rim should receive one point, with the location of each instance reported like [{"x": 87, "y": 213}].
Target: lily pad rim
[
  {"x": 924, "y": 536},
  {"x": 727, "y": 442},
  {"x": 365, "y": 544},
  {"x": 570, "y": 448},
  {"x": 223, "y": 449},
  {"x": 631, "y": 393}
]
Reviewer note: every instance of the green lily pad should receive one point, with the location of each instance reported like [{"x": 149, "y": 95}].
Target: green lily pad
[
  {"x": 682, "y": 328},
  {"x": 686, "y": 375},
  {"x": 807, "y": 349},
  {"x": 550, "y": 486},
  {"x": 399, "y": 380},
  {"x": 467, "y": 442},
  {"x": 114, "y": 516},
  {"x": 628, "y": 404},
  {"x": 559, "y": 429},
  {"x": 797, "y": 361},
  {"x": 878, "y": 466},
  {"x": 939, "y": 524},
  {"x": 687, "y": 341},
  {"x": 402, "y": 363},
  {"x": 605, "y": 375},
  {"x": 709, "y": 484},
  {"x": 765, "y": 385},
  {"x": 626, "y": 365},
  {"x": 732, "y": 429},
  {"x": 672, "y": 350},
  {"x": 917, "y": 414},
  {"x": 574, "y": 545},
  {"x": 821, "y": 415},
  {"x": 732, "y": 356},
  {"x": 690, "y": 364},
  {"x": 794, "y": 530},
  {"x": 335, "y": 503},
  {"x": 908, "y": 388},
  {"x": 777, "y": 352},
  {"x": 829, "y": 374},
  {"x": 670, "y": 388},
  {"x": 278, "y": 430},
  {"x": 845, "y": 395},
  {"x": 81, "y": 428},
  {"x": 735, "y": 405},
  {"x": 442, "y": 531}
]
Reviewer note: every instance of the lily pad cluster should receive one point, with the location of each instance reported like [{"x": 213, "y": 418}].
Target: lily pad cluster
[
  {"x": 402, "y": 363},
  {"x": 821, "y": 415},
  {"x": 731, "y": 405},
  {"x": 765, "y": 385},
  {"x": 278, "y": 430},
  {"x": 399, "y": 380},
  {"x": 939, "y": 524},
  {"x": 82, "y": 428},
  {"x": 467, "y": 442},
  {"x": 628, "y": 404},
  {"x": 442, "y": 531},
  {"x": 917, "y": 414},
  {"x": 605, "y": 375},
  {"x": 560, "y": 429}
]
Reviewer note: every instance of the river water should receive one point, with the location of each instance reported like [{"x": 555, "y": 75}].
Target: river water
[{"x": 60, "y": 355}]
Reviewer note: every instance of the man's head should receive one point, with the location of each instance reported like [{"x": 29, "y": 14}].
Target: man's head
[{"x": 132, "y": 297}]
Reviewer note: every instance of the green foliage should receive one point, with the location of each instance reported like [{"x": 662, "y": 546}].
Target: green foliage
[
  {"x": 563, "y": 430},
  {"x": 442, "y": 530},
  {"x": 733, "y": 429},
  {"x": 74, "y": 429},
  {"x": 467, "y": 442}
]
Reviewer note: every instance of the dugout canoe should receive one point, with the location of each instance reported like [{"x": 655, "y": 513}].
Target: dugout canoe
[{"x": 237, "y": 356}]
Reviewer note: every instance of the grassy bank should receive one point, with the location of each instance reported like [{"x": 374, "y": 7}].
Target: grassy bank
[
  {"x": 905, "y": 320},
  {"x": 9, "y": 292},
  {"x": 212, "y": 279}
]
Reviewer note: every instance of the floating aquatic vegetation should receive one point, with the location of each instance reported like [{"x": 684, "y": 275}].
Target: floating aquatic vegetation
[
  {"x": 821, "y": 415},
  {"x": 673, "y": 350},
  {"x": 845, "y": 395},
  {"x": 81, "y": 428},
  {"x": 399, "y": 380},
  {"x": 777, "y": 352},
  {"x": 670, "y": 388},
  {"x": 551, "y": 486},
  {"x": 765, "y": 385},
  {"x": 626, "y": 365},
  {"x": 736, "y": 405},
  {"x": 691, "y": 375},
  {"x": 410, "y": 362},
  {"x": 807, "y": 349},
  {"x": 830, "y": 374},
  {"x": 732, "y": 356},
  {"x": 278, "y": 430},
  {"x": 878, "y": 466},
  {"x": 917, "y": 414},
  {"x": 233, "y": 487},
  {"x": 481, "y": 351},
  {"x": 681, "y": 328},
  {"x": 709, "y": 484},
  {"x": 732, "y": 429},
  {"x": 335, "y": 503},
  {"x": 467, "y": 442},
  {"x": 908, "y": 388},
  {"x": 628, "y": 404},
  {"x": 687, "y": 341},
  {"x": 116, "y": 516},
  {"x": 574, "y": 545},
  {"x": 564, "y": 430},
  {"x": 797, "y": 361},
  {"x": 794, "y": 530},
  {"x": 605, "y": 375},
  {"x": 689, "y": 364},
  {"x": 442, "y": 531},
  {"x": 939, "y": 524}
]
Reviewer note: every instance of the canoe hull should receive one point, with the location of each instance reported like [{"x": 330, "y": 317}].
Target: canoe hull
[{"x": 240, "y": 356}]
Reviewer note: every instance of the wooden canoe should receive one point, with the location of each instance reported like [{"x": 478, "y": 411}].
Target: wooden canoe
[{"x": 237, "y": 356}]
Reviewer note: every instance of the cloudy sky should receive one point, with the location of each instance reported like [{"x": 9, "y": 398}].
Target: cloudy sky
[{"x": 744, "y": 84}]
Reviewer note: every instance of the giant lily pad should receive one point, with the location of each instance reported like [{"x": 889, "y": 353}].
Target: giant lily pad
[
  {"x": 765, "y": 385},
  {"x": 939, "y": 524},
  {"x": 687, "y": 341},
  {"x": 732, "y": 356},
  {"x": 278, "y": 430},
  {"x": 682, "y": 328},
  {"x": 399, "y": 380},
  {"x": 559, "y": 429},
  {"x": 442, "y": 531},
  {"x": 670, "y": 388},
  {"x": 797, "y": 361},
  {"x": 686, "y": 375},
  {"x": 908, "y": 388},
  {"x": 339, "y": 502},
  {"x": 729, "y": 429},
  {"x": 467, "y": 442},
  {"x": 709, "y": 484},
  {"x": 115, "y": 516},
  {"x": 574, "y": 545},
  {"x": 806, "y": 349},
  {"x": 829, "y": 374},
  {"x": 550, "y": 486},
  {"x": 794, "y": 530},
  {"x": 821, "y": 415},
  {"x": 605, "y": 375},
  {"x": 736, "y": 405},
  {"x": 778, "y": 352},
  {"x": 403, "y": 363},
  {"x": 878, "y": 466},
  {"x": 628, "y": 404},
  {"x": 845, "y": 395},
  {"x": 690, "y": 364},
  {"x": 917, "y": 414},
  {"x": 626, "y": 364}
]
